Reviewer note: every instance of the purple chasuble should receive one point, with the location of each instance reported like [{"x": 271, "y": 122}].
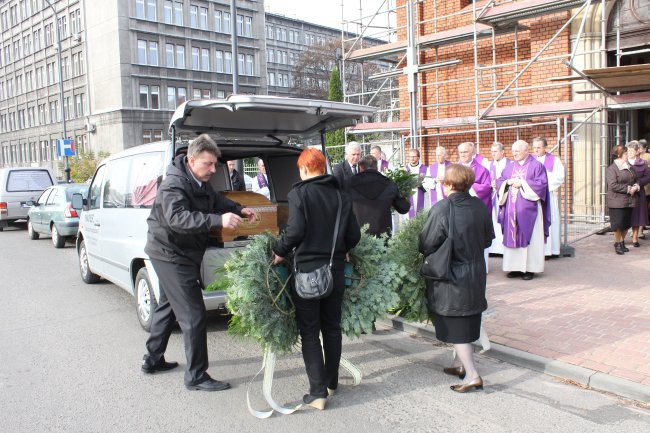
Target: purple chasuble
[
  {"x": 517, "y": 215},
  {"x": 493, "y": 178},
  {"x": 549, "y": 162},
  {"x": 478, "y": 158},
  {"x": 433, "y": 172},
  {"x": 383, "y": 166},
  {"x": 417, "y": 207},
  {"x": 481, "y": 186},
  {"x": 261, "y": 181}
]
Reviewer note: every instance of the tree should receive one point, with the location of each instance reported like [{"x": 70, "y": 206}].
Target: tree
[
  {"x": 337, "y": 137},
  {"x": 83, "y": 165}
]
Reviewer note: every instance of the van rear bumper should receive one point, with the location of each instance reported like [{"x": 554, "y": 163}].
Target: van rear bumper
[{"x": 214, "y": 300}]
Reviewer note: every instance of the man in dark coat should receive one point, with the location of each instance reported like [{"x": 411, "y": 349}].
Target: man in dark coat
[
  {"x": 350, "y": 167},
  {"x": 373, "y": 197},
  {"x": 186, "y": 209},
  {"x": 237, "y": 179}
]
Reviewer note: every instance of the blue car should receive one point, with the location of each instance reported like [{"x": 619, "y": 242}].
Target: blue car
[{"x": 53, "y": 215}]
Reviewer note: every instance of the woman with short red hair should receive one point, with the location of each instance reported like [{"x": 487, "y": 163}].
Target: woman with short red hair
[{"x": 313, "y": 206}]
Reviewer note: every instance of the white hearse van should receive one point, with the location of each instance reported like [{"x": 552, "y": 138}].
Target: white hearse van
[
  {"x": 18, "y": 187},
  {"x": 113, "y": 229}
]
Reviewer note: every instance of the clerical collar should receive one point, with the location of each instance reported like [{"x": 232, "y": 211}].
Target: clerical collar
[
  {"x": 523, "y": 161},
  {"x": 632, "y": 161},
  {"x": 466, "y": 164}
]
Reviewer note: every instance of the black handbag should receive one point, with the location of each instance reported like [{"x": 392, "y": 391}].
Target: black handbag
[
  {"x": 318, "y": 284},
  {"x": 437, "y": 265}
]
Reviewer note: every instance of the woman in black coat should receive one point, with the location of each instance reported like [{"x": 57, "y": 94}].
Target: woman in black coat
[
  {"x": 313, "y": 205},
  {"x": 457, "y": 303}
]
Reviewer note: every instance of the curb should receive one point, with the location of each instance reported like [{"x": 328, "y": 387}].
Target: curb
[{"x": 586, "y": 377}]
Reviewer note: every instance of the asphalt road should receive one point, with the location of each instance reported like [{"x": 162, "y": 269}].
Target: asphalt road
[{"x": 70, "y": 358}]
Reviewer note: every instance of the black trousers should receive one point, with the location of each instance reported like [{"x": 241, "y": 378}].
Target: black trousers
[
  {"x": 180, "y": 299},
  {"x": 314, "y": 317}
]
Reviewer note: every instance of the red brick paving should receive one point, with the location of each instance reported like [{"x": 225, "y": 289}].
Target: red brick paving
[{"x": 592, "y": 310}]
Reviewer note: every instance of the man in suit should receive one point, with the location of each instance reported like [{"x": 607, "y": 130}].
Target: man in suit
[
  {"x": 348, "y": 168},
  {"x": 374, "y": 196},
  {"x": 237, "y": 179}
]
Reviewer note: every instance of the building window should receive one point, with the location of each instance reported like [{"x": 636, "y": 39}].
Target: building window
[
  {"x": 217, "y": 21},
  {"x": 249, "y": 64},
  {"x": 149, "y": 97},
  {"x": 205, "y": 93},
  {"x": 271, "y": 79},
  {"x": 147, "y": 52},
  {"x": 240, "y": 25},
  {"x": 194, "y": 16},
  {"x": 178, "y": 13},
  {"x": 151, "y": 10},
  {"x": 144, "y": 96},
  {"x": 205, "y": 59},
  {"x": 155, "y": 97},
  {"x": 203, "y": 18},
  {"x": 175, "y": 96},
  {"x": 270, "y": 55},
  {"x": 248, "y": 26},
  {"x": 196, "y": 94},
  {"x": 151, "y": 135},
  {"x": 49, "y": 34},
  {"x": 180, "y": 56},
  {"x": 75, "y": 21},
  {"x": 195, "y": 58},
  {"x": 63, "y": 26},
  {"x": 139, "y": 9},
  {"x": 79, "y": 105},
  {"x": 142, "y": 52},
  {"x": 241, "y": 64},
  {"x": 168, "y": 8},
  {"x": 153, "y": 53},
  {"x": 269, "y": 32},
  {"x": 226, "y": 22},
  {"x": 228, "y": 62},
  {"x": 169, "y": 55},
  {"x": 218, "y": 64}
]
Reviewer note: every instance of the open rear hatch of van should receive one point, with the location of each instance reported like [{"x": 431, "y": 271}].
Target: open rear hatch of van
[{"x": 244, "y": 124}]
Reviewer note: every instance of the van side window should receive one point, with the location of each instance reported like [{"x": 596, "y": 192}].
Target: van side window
[
  {"x": 115, "y": 191},
  {"x": 145, "y": 171},
  {"x": 95, "y": 188}
]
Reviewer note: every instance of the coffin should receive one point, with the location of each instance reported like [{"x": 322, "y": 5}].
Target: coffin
[{"x": 267, "y": 216}]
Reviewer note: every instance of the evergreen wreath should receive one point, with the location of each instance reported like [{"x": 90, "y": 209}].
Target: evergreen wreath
[
  {"x": 406, "y": 182},
  {"x": 403, "y": 249},
  {"x": 260, "y": 301}
]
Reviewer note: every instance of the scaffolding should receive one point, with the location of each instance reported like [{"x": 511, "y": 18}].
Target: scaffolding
[{"x": 434, "y": 55}]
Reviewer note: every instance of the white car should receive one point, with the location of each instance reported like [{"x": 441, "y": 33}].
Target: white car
[{"x": 113, "y": 229}]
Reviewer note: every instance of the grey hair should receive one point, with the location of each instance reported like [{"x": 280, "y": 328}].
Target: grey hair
[
  {"x": 633, "y": 145},
  {"x": 203, "y": 143},
  {"x": 375, "y": 147},
  {"x": 368, "y": 162},
  {"x": 541, "y": 140},
  {"x": 499, "y": 145},
  {"x": 467, "y": 143},
  {"x": 521, "y": 143},
  {"x": 353, "y": 145},
  {"x": 643, "y": 143},
  {"x": 443, "y": 149}
]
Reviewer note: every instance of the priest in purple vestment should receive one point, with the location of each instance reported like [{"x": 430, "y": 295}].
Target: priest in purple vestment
[
  {"x": 415, "y": 166},
  {"x": 436, "y": 175},
  {"x": 481, "y": 187},
  {"x": 524, "y": 213}
]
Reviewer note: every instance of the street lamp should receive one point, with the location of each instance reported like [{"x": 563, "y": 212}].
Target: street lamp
[{"x": 61, "y": 100}]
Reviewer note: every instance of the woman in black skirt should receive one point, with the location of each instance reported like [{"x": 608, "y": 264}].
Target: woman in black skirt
[
  {"x": 622, "y": 194},
  {"x": 457, "y": 303}
]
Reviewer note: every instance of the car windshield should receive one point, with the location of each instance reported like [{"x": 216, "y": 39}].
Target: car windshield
[{"x": 75, "y": 189}]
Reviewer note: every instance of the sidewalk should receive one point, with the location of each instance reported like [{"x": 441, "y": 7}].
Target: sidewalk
[{"x": 586, "y": 318}]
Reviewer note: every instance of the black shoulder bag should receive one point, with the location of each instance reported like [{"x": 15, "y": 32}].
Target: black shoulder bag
[
  {"x": 437, "y": 265},
  {"x": 318, "y": 283}
]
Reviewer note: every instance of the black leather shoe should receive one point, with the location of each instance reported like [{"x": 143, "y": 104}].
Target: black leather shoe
[
  {"x": 636, "y": 244},
  {"x": 624, "y": 248},
  {"x": 618, "y": 249},
  {"x": 514, "y": 274},
  {"x": 528, "y": 276},
  {"x": 209, "y": 385},
  {"x": 149, "y": 368}
]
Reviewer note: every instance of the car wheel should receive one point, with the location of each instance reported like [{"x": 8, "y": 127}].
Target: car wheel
[
  {"x": 145, "y": 300},
  {"x": 86, "y": 274},
  {"x": 57, "y": 239},
  {"x": 33, "y": 235}
]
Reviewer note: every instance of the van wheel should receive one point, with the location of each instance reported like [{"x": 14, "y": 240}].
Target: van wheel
[
  {"x": 57, "y": 239},
  {"x": 33, "y": 235},
  {"x": 86, "y": 274},
  {"x": 145, "y": 300}
]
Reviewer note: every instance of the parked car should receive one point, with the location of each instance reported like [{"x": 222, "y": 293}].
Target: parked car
[
  {"x": 53, "y": 214},
  {"x": 113, "y": 227},
  {"x": 19, "y": 185}
]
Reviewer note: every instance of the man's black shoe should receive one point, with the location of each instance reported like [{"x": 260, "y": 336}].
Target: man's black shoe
[
  {"x": 209, "y": 385},
  {"x": 149, "y": 368},
  {"x": 527, "y": 276},
  {"x": 514, "y": 274}
]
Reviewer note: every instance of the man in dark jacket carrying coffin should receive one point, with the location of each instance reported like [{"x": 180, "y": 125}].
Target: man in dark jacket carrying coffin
[
  {"x": 373, "y": 197},
  {"x": 186, "y": 209}
]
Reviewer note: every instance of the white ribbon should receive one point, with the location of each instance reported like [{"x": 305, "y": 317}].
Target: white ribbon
[{"x": 268, "y": 365}]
